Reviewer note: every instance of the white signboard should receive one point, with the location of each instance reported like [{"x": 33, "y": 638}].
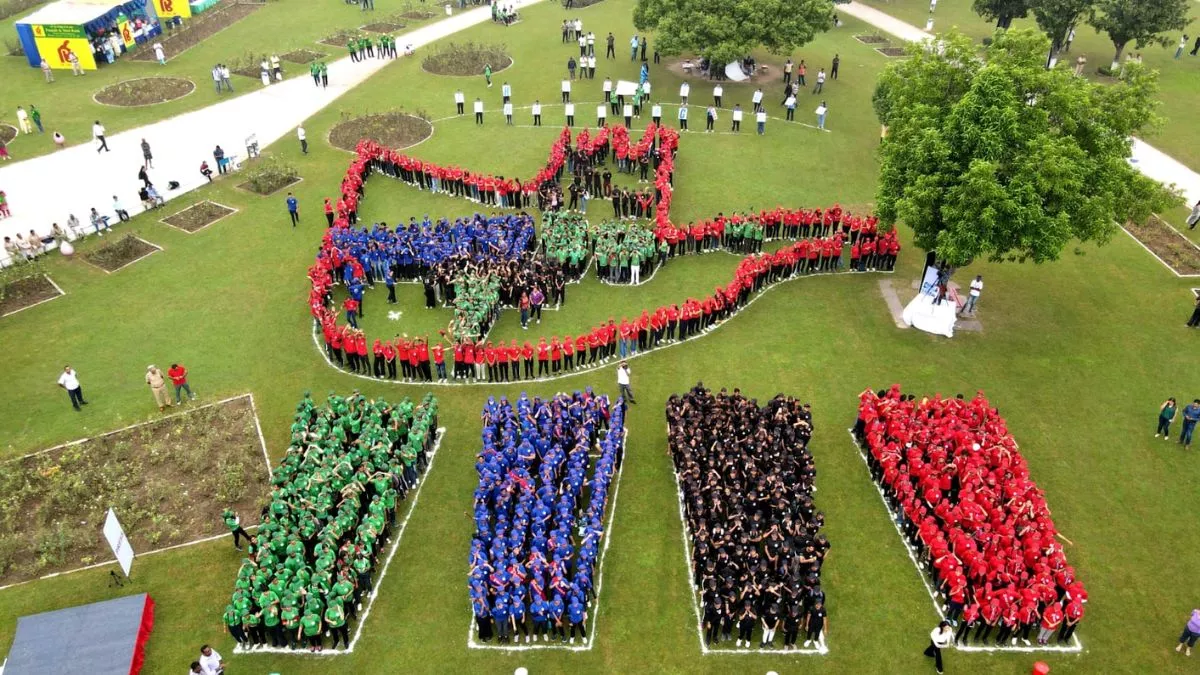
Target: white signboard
[
  {"x": 118, "y": 542},
  {"x": 626, "y": 88}
]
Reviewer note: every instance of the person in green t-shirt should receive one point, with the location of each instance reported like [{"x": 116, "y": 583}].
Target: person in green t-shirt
[
  {"x": 233, "y": 623},
  {"x": 289, "y": 615},
  {"x": 310, "y": 627},
  {"x": 273, "y": 625},
  {"x": 314, "y": 69},
  {"x": 324, "y": 74},
  {"x": 234, "y": 523},
  {"x": 335, "y": 618}
]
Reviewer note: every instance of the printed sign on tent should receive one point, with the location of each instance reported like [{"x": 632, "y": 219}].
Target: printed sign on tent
[{"x": 167, "y": 9}]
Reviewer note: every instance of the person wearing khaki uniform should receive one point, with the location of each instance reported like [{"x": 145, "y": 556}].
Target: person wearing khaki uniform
[{"x": 158, "y": 386}]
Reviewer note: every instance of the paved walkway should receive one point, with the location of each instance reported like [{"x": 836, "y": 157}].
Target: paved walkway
[
  {"x": 47, "y": 189},
  {"x": 1148, "y": 159}
]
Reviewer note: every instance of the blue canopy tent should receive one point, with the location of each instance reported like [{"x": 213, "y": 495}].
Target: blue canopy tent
[{"x": 74, "y": 21}]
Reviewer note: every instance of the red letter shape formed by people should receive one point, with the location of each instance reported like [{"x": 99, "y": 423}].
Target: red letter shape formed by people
[{"x": 64, "y": 52}]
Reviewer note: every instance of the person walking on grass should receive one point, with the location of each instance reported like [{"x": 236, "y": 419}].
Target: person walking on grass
[
  {"x": 1182, "y": 46},
  {"x": 1191, "y": 415},
  {"x": 234, "y": 522},
  {"x": 36, "y": 116},
  {"x": 69, "y": 380},
  {"x": 23, "y": 121},
  {"x": 293, "y": 207},
  {"x": 940, "y": 638},
  {"x": 487, "y": 74},
  {"x": 623, "y": 382},
  {"x": 1194, "y": 216},
  {"x": 1191, "y": 631},
  {"x": 178, "y": 375},
  {"x": 158, "y": 387},
  {"x": 1195, "y": 320},
  {"x": 1166, "y": 415},
  {"x": 300, "y": 134}
]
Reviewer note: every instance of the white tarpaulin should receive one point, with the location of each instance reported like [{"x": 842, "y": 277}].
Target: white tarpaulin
[
  {"x": 922, "y": 314},
  {"x": 117, "y": 540},
  {"x": 734, "y": 72},
  {"x": 625, "y": 88}
]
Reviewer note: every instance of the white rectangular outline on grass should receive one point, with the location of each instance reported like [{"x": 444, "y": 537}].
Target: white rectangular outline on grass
[
  {"x": 595, "y": 613},
  {"x": 822, "y": 647},
  {"x": 1075, "y": 647},
  {"x": 262, "y": 445},
  {"x": 156, "y": 248},
  {"x": 232, "y": 211},
  {"x": 61, "y": 293},
  {"x": 376, "y": 584}
]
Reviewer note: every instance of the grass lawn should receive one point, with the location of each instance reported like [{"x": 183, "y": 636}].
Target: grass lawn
[
  {"x": 67, "y": 105},
  {"x": 1076, "y": 354}
]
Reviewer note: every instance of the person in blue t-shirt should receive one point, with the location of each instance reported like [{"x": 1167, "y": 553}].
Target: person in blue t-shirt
[
  {"x": 577, "y": 614},
  {"x": 293, "y": 207}
]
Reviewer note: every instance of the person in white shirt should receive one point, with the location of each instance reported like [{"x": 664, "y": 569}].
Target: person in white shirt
[
  {"x": 160, "y": 54},
  {"x": 478, "y": 111},
  {"x": 303, "y": 139},
  {"x": 98, "y": 134},
  {"x": 627, "y": 112},
  {"x": 211, "y": 662},
  {"x": 790, "y": 104},
  {"x": 656, "y": 113},
  {"x": 973, "y": 297},
  {"x": 69, "y": 380},
  {"x": 717, "y": 91},
  {"x": 608, "y": 87},
  {"x": 508, "y": 113},
  {"x": 23, "y": 121},
  {"x": 506, "y": 92},
  {"x": 757, "y": 99},
  {"x": 684, "y": 90},
  {"x": 460, "y": 100},
  {"x": 601, "y": 115},
  {"x": 566, "y": 91},
  {"x": 569, "y": 111},
  {"x": 216, "y": 75},
  {"x": 683, "y": 117},
  {"x": 820, "y": 81},
  {"x": 820, "y": 111},
  {"x": 761, "y": 118},
  {"x": 737, "y": 118},
  {"x": 623, "y": 382},
  {"x": 939, "y": 639},
  {"x": 537, "y": 113}
]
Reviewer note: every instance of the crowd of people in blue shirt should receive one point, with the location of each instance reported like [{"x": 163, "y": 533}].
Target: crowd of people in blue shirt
[{"x": 539, "y": 518}]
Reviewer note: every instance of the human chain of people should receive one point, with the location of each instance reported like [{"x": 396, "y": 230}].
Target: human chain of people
[{"x": 480, "y": 265}]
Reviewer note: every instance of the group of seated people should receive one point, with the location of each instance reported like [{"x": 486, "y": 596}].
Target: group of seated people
[
  {"x": 331, "y": 511},
  {"x": 756, "y": 549},
  {"x": 546, "y": 468},
  {"x": 961, "y": 491}
]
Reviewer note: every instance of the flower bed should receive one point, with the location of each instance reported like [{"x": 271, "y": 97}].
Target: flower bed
[
  {"x": 540, "y": 532},
  {"x": 953, "y": 476}
]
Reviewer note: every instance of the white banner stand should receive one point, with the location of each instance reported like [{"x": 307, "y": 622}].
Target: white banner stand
[{"x": 118, "y": 542}]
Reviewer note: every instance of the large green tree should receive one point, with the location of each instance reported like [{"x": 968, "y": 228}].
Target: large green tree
[
  {"x": 1000, "y": 157},
  {"x": 727, "y": 30},
  {"x": 1003, "y": 12},
  {"x": 1140, "y": 21},
  {"x": 1058, "y": 17}
]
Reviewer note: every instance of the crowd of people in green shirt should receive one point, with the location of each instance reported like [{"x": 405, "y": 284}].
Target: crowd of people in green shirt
[
  {"x": 331, "y": 510},
  {"x": 566, "y": 241},
  {"x": 362, "y": 47},
  {"x": 476, "y": 305},
  {"x": 624, "y": 250}
]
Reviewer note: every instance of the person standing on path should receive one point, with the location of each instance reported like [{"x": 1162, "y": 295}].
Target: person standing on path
[
  {"x": 158, "y": 386},
  {"x": 623, "y": 382},
  {"x": 787, "y": 73},
  {"x": 219, "y": 157},
  {"x": 98, "y": 133},
  {"x": 178, "y": 375},
  {"x": 1191, "y": 415},
  {"x": 1191, "y": 631},
  {"x": 69, "y": 380},
  {"x": 147, "y": 161},
  {"x": 293, "y": 207},
  {"x": 303, "y": 139},
  {"x": 1195, "y": 320},
  {"x": 939, "y": 639},
  {"x": 1194, "y": 216}
]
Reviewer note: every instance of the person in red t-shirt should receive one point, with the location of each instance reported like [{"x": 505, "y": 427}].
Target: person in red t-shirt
[
  {"x": 178, "y": 375},
  {"x": 543, "y": 354},
  {"x": 1052, "y": 618},
  {"x": 439, "y": 360},
  {"x": 527, "y": 356}
]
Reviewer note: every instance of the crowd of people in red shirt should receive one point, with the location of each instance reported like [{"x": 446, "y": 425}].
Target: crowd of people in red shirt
[{"x": 955, "y": 477}]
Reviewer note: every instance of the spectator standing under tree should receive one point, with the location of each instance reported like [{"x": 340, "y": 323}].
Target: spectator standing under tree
[
  {"x": 623, "y": 382},
  {"x": 69, "y": 380},
  {"x": 973, "y": 295},
  {"x": 158, "y": 387},
  {"x": 1191, "y": 415},
  {"x": 178, "y": 375}
]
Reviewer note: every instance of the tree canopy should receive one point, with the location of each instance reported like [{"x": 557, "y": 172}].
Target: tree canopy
[
  {"x": 1057, "y": 17},
  {"x": 1003, "y": 12},
  {"x": 999, "y": 157},
  {"x": 727, "y": 30},
  {"x": 1140, "y": 21}
]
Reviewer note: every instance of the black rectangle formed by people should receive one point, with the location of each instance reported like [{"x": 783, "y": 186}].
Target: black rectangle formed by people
[{"x": 752, "y": 536}]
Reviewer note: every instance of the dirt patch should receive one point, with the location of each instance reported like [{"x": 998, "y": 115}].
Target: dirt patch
[
  {"x": 892, "y": 52},
  {"x": 383, "y": 27},
  {"x": 199, "y": 216},
  {"x": 872, "y": 39},
  {"x": 468, "y": 58},
  {"x": 394, "y": 130},
  {"x": 7, "y": 133},
  {"x": 200, "y": 28},
  {"x": 26, "y": 292},
  {"x": 145, "y": 91},
  {"x": 117, "y": 254},
  {"x": 168, "y": 482},
  {"x": 1176, "y": 250},
  {"x": 302, "y": 56},
  {"x": 580, "y": 4},
  {"x": 342, "y": 37},
  {"x": 416, "y": 15}
]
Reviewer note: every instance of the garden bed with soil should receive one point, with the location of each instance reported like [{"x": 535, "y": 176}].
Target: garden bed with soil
[
  {"x": 469, "y": 58},
  {"x": 117, "y": 254},
  {"x": 27, "y": 292},
  {"x": 199, "y": 216},
  {"x": 892, "y": 52},
  {"x": 341, "y": 38},
  {"x": 1175, "y": 250},
  {"x": 144, "y": 91},
  {"x": 167, "y": 481},
  {"x": 383, "y": 27},
  {"x": 267, "y": 186},
  {"x": 7, "y": 133},
  {"x": 200, "y": 29},
  {"x": 871, "y": 39},
  {"x": 394, "y": 130},
  {"x": 416, "y": 15},
  {"x": 302, "y": 56}
]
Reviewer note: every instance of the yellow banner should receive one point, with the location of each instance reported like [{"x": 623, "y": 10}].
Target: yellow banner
[
  {"x": 57, "y": 52},
  {"x": 172, "y": 8},
  {"x": 126, "y": 34}
]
